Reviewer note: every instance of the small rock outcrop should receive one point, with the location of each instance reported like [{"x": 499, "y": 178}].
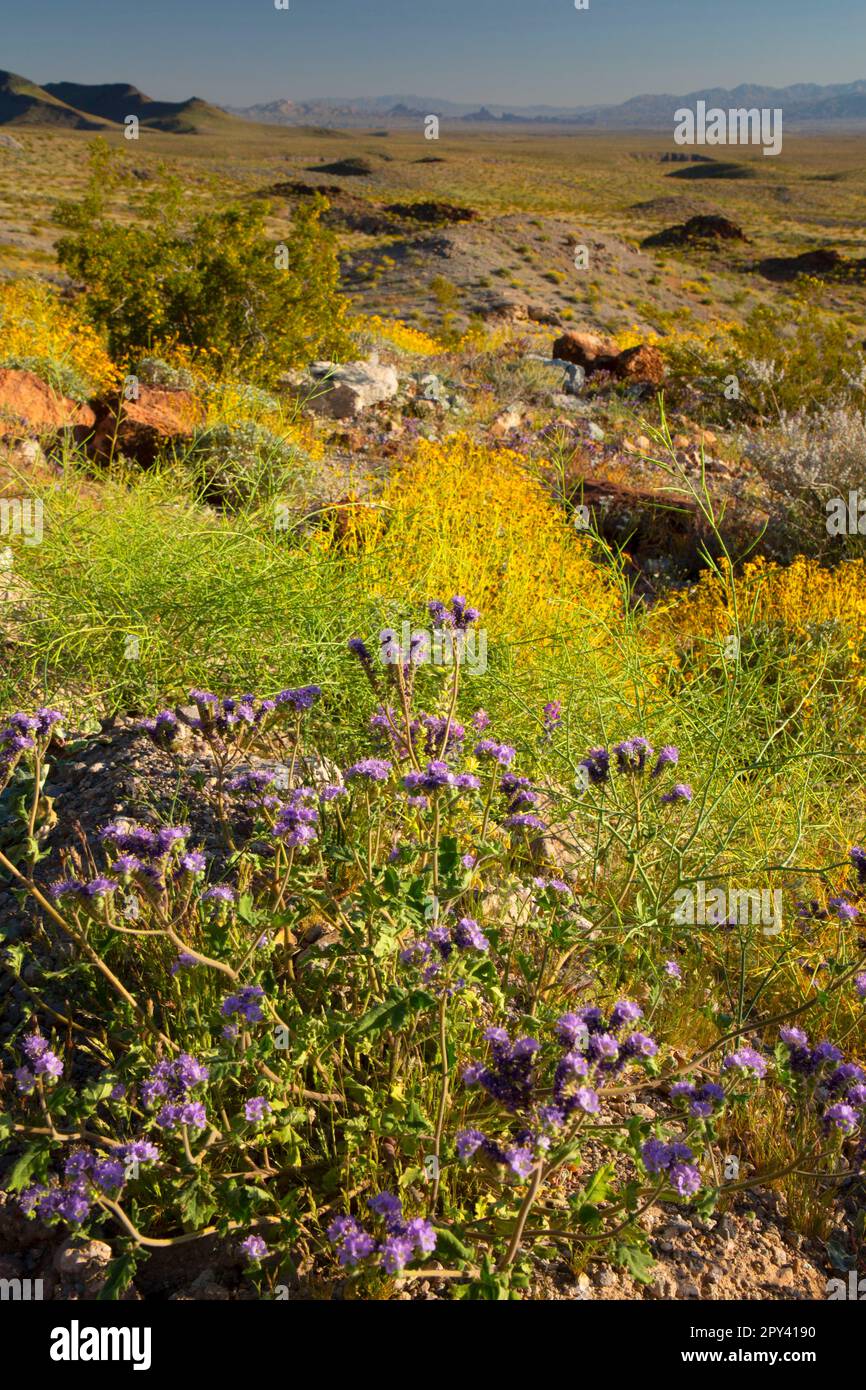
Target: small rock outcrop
[
  {"x": 643, "y": 364},
  {"x": 695, "y": 231},
  {"x": 140, "y": 428},
  {"x": 341, "y": 392},
  {"x": 30, "y": 408}
]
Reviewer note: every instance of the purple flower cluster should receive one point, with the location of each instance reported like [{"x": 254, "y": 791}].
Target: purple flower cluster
[
  {"x": 552, "y": 715},
  {"x": 93, "y": 895},
  {"x": 829, "y": 1078},
  {"x": 216, "y": 716},
  {"x": 675, "y": 1160},
  {"x": 173, "y": 1083},
  {"x": 519, "y": 795},
  {"x": 83, "y": 1175},
  {"x": 510, "y": 1078},
  {"x": 433, "y": 950},
  {"x": 299, "y": 700},
  {"x": 296, "y": 823},
  {"x": 748, "y": 1061},
  {"x": 23, "y": 732},
  {"x": 254, "y": 1248},
  {"x": 402, "y": 1242},
  {"x": 461, "y": 615},
  {"x": 594, "y": 1049},
  {"x": 368, "y": 770},
  {"x": 703, "y": 1101},
  {"x": 634, "y": 756},
  {"x": 147, "y": 857},
  {"x": 500, "y": 753},
  {"x": 436, "y": 777},
  {"x": 257, "y": 1109},
  {"x": 163, "y": 730},
  {"x": 41, "y": 1061},
  {"x": 246, "y": 1003}
]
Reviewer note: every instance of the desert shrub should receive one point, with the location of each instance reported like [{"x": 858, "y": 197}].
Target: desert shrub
[
  {"x": 155, "y": 371},
  {"x": 447, "y": 297},
  {"x": 41, "y": 333},
  {"x": 215, "y": 282},
  {"x": 793, "y": 356},
  {"x": 805, "y": 463},
  {"x": 62, "y": 378},
  {"x": 514, "y": 376},
  {"x": 399, "y": 335},
  {"x": 461, "y": 513},
  {"x": 805, "y": 620},
  {"x": 786, "y": 359},
  {"x": 241, "y": 465}
]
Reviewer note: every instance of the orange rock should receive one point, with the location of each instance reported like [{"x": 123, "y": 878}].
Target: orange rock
[
  {"x": 144, "y": 426},
  {"x": 29, "y": 407},
  {"x": 586, "y": 349},
  {"x": 640, "y": 364}
]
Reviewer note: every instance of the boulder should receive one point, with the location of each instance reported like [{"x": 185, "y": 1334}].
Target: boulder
[
  {"x": 587, "y": 350},
  {"x": 642, "y": 364},
  {"x": 85, "y": 1263},
  {"x": 500, "y": 307},
  {"x": 343, "y": 392},
  {"x": 140, "y": 428},
  {"x": 30, "y": 408},
  {"x": 509, "y": 419},
  {"x": 595, "y": 354}
]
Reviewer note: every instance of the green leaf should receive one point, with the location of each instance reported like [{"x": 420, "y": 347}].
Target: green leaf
[
  {"x": 639, "y": 1263},
  {"x": 24, "y": 1168},
  {"x": 196, "y": 1203},
  {"x": 121, "y": 1272},
  {"x": 448, "y": 1244},
  {"x": 600, "y": 1184},
  {"x": 390, "y": 1016}
]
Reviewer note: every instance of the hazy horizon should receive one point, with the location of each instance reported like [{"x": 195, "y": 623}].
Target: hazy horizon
[{"x": 490, "y": 52}]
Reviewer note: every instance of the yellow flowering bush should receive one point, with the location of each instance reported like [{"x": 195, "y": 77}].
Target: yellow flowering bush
[
  {"x": 819, "y": 613},
  {"x": 465, "y": 518},
  {"x": 403, "y": 336},
  {"x": 42, "y": 333},
  {"x": 235, "y": 402},
  {"x": 798, "y": 596}
]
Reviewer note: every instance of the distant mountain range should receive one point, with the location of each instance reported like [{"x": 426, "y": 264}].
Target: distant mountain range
[
  {"x": 96, "y": 106},
  {"x": 99, "y": 106},
  {"x": 802, "y": 104}
]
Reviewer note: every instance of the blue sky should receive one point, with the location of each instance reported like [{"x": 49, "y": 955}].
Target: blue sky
[{"x": 510, "y": 51}]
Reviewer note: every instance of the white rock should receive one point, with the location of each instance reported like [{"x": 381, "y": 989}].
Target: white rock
[
  {"x": 79, "y": 1260},
  {"x": 352, "y": 388}
]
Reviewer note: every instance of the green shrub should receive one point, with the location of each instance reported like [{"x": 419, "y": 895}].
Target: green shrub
[
  {"x": 215, "y": 282},
  {"x": 794, "y": 356},
  {"x": 153, "y": 371},
  {"x": 238, "y": 465}
]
